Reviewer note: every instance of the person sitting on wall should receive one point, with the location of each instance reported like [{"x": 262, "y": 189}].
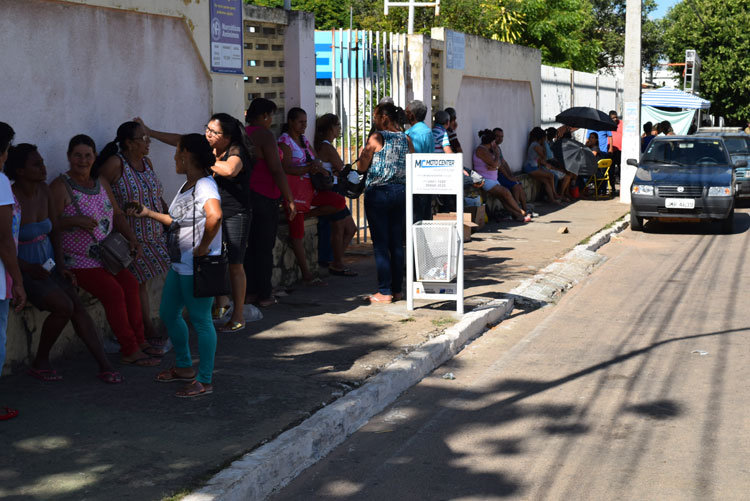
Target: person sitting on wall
[
  {"x": 451, "y": 129},
  {"x": 486, "y": 162},
  {"x": 505, "y": 174},
  {"x": 49, "y": 285},
  {"x": 537, "y": 166}
]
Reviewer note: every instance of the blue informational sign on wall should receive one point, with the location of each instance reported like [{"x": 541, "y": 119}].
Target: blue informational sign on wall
[{"x": 226, "y": 36}]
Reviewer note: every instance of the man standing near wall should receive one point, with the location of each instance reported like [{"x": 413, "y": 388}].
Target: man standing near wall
[
  {"x": 616, "y": 147},
  {"x": 440, "y": 132},
  {"x": 423, "y": 141}
]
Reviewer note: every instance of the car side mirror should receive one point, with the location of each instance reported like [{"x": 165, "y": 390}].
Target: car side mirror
[
  {"x": 740, "y": 163},
  {"x": 633, "y": 162}
]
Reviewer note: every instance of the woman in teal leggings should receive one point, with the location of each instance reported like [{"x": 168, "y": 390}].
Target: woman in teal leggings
[{"x": 194, "y": 216}]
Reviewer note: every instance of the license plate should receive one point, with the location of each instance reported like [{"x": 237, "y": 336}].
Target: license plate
[{"x": 680, "y": 203}]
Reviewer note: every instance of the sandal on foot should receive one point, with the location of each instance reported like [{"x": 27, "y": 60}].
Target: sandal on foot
[
  {"x": 231, "y": 327},
  {"x": 110, "y": 377},
  {"x": 269, "y": 301},
  {"x": 218, "y": 312},
  {"x": 380, "y": 299},
  {"x": 314, "y": 282},
  {"x": 194, "y": 389},
  {"x": 8, "y": 414},
  {"x": 398, "y": 296},
  {"x": 158, "y": 342},
  {"x": 46, "y": 375},
  {"x": 346, "y": 272},
  {"x": 154, "y": 351},
  {"x": 142, "y": 362},
  {"x": 170, "y": 375}
]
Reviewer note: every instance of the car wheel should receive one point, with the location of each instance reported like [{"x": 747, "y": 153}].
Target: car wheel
[
  {"x": 727, "y": 225},
  {"x": 636, "y": 222}
]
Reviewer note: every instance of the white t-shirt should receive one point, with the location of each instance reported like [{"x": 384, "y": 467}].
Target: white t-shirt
[
  {"x": 181, "y": 211},
  {"x": 7, "y": 198}
]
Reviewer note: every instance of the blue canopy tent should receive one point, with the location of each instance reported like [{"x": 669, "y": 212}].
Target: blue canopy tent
[{"x": 667, "y": 97}]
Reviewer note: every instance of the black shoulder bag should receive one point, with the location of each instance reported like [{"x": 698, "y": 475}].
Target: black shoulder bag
[{"x": 210, "y": 273}]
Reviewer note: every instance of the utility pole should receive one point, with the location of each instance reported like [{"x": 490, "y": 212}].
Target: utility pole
[
  {"x": 631, "y": 137},
  {"x": 412, "y": 4}
]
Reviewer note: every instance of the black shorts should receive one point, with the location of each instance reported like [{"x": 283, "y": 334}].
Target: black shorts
[
  {"x": 37, "y": 290},
  {"x": 235, "y": 230}
]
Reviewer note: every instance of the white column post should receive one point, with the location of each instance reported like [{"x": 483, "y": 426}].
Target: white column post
[{"x": 631, "y": 138}]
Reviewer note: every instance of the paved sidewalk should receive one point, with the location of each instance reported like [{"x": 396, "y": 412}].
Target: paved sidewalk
[{"x": 81, "y": 439}]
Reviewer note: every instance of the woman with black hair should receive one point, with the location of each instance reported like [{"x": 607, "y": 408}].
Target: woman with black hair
[
  {"x": 10, "y": 273},
  {"x": 384, "y": 160},
  {"x": 49, "y": 285},
  {"x": 86, "y": 214},
  {"x": 299, "y": 162},
  {"x": 235, "y": 157},
  {"x": 267, "y": 185},
  {"x": 194, "y": 216},
  {"x": 127, "y": 169}
]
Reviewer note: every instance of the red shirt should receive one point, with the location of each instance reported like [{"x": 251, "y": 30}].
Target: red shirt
[{"x": 617, "y": 136}]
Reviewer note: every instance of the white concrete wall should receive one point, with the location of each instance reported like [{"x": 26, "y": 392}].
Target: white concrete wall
[
  {"x": 556, "y": 93},
  {"x": 299, "y": 65},
  {"x": 500, "y": 85},
  {"x": 585, "y": 89},
  {"x": 418, "y": 71}
]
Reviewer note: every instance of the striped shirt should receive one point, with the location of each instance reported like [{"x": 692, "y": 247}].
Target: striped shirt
[{"x": 441, "y": 138}]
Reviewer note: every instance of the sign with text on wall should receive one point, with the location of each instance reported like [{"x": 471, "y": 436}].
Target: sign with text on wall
[
  {"x": 226, "y": 36},
  {"x": 435, "y": 174}
]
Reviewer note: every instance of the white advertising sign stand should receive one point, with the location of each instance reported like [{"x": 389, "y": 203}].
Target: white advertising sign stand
[{"x": 434, "y": 174}]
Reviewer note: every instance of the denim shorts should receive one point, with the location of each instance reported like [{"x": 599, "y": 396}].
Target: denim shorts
[{"x": 235, "y": 230}]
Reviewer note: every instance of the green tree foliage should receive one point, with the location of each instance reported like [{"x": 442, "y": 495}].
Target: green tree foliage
[
  {"x": 580, "y": 34},
  {"x": 719, "y": 30}
]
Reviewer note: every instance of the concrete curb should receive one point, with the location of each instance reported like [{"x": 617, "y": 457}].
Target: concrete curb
[{"x": 275, "y": 464}]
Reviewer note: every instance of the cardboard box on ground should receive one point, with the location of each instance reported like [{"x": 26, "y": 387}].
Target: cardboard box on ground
[{"x": 473, "y": 219}]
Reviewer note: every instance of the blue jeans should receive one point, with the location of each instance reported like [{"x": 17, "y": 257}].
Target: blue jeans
[
  {"x": 176, "y": 295},
  {"x": 4, "y": 306},
  {"x": 385, "y": 207}
]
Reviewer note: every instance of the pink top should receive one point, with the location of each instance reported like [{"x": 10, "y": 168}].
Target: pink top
[
  {"x": 261, "y": 181},
  {"x": 79, "y": 247},
  {"x": 481, "y": 167}
]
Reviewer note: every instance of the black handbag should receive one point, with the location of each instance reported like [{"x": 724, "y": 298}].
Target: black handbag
[
  {"x": 347, "y": 185},
  {"x": 320, "y": 181},
  {"x": 210, "y": 273},
  {"x": 114, "y": 250}
]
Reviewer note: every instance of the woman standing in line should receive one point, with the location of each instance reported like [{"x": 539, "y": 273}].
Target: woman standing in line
[
  {"x": 10, "y": 273},
  {"x": 87, "y": 214},
  {"x": 194, "y": 216},
  {"x": 234, "y": 163},
  {"x": 267, "y": 185},
  {"x": 127, "y": 169},
  {"x": 328, "y": 128},
  {"x": 384, "y": 160},
  {"x": 49, "y": 289}
]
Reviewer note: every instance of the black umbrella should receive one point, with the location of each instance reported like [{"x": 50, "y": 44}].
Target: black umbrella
[
  {"x": 577, "y": 158},
  {"x": 584, "y": 117}
]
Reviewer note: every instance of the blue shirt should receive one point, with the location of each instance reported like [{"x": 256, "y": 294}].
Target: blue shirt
[
  {"x": 421, "y": 137},
  {"x": 441, "y": 138},
  {"x": 603, "y": 135}
]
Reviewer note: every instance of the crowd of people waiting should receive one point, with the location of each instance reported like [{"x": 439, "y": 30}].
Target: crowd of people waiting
[{"x": 235, "y": 179}]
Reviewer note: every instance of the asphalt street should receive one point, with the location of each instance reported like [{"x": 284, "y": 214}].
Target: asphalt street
[{"x": 633, "y": 387}]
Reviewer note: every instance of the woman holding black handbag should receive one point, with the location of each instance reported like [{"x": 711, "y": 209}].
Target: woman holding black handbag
[
  {"x": 87, "y": 215},
  {"x": 195, "y": 230}
]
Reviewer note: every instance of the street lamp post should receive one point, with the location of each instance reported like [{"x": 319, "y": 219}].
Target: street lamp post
[{"x": 412, "y": 4}]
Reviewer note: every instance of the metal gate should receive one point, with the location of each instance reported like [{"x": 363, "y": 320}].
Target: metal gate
[{"x": 366, "y": 67}]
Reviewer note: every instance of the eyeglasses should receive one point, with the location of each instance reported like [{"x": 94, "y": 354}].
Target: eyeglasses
[{"x": 212, "y": 132}]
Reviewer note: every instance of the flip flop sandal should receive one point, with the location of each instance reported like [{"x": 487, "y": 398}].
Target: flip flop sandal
[
  {"x": 315, "y": 282},
  {"x": 218, "y": 312},
  {"x": 110, "y": 377},
  {"x": 270, "y": 301},
  {"x": 380, "y": 300},
  {"x": 46, "y": 375},
  {"x": 142, "y": 362},
  {"x": 346, "y": 272},
  {"x": 231, "y": 327},
  {"x": 194, "y": 389},
  {"x": 154, "y": 352},
  {"x": 9, "y": 414},
  {"x": 171, "y": 375}
]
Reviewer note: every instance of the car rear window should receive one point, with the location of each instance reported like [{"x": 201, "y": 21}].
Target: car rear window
[
  {"x": 686, "y": 152},
  {"x": 738, "y": 145}
]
